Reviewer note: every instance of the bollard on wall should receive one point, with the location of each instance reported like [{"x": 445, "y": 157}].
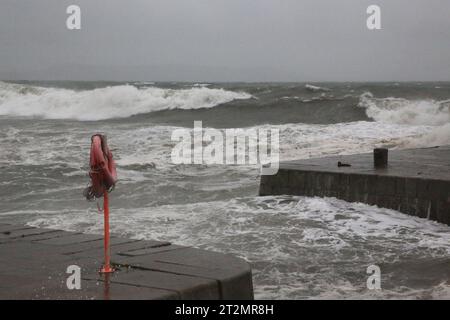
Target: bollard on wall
[{"x": 380, "y": 158}]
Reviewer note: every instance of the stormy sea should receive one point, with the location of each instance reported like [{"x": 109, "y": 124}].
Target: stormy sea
[{"x": 298, "y": 247}]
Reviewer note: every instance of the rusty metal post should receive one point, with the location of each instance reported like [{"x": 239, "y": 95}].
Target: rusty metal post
[{"x": 107, "y": 266}]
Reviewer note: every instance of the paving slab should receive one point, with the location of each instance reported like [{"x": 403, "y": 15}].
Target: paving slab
[
  {"x": 45, "y": 235},
  {"x": 91, "y": 290},
  {"x": 7, "y": 228},
  {"x": 185, "y": 286},
  {"x": 235, "y": 280},
  {"x": 34, "y": 265},
  {"x": 71, "y": 239},
  {"x": 22, "y": 233}
]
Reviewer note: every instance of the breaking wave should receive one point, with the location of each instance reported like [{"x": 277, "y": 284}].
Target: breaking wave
[
  {"x": 312, "y": 88},
  {"x": 404, "y": 111},
  {"x": 105, "y": 103},
  {"x": 438, "y": 136},
  {"x": 435, "y": 114}
]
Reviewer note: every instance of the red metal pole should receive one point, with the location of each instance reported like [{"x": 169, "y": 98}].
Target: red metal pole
[{"x": 106, "y": 267}]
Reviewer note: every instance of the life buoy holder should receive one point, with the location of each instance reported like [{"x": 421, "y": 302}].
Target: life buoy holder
[{"x": 102, "y": 168}]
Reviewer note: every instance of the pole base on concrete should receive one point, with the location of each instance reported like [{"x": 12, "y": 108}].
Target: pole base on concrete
[{"x": 106, "y": 269}]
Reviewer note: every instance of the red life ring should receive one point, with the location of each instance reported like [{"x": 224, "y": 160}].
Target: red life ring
[{"x": 103, "y": 168}]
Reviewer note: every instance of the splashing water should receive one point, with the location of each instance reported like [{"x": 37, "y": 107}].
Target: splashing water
[{"x": 298, "y": 247}]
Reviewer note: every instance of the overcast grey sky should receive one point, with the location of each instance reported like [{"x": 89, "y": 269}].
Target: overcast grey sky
[{"x": 225, "y": 40}]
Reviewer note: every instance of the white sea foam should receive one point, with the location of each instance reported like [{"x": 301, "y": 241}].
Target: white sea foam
[
  {"x": 432, "y": 113},
  {"x": 404, "y": 111},
  {"x": 151, "y": 146},
  {"x": 438, "y": 136},
  {"x": 312, "y": 88},
  {"x": 299, "y": 247},
  {"x": 106, "y": 103}
]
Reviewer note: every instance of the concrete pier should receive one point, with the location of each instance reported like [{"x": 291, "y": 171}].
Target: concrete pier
[
  {"x": 34, "y": 262},
  {"x": 415, "y": 182}
]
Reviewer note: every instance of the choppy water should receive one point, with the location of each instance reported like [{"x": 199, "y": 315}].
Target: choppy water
[{"x": 299, "y": 247}]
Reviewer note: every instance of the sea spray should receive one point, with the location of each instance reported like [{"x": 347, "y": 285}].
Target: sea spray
[{"x": 299, "y": 247}]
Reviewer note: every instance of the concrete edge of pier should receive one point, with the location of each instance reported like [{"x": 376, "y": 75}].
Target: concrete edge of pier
[
  {"x": 415, "y": 182},
  {"x": 34, "y": 264}
]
